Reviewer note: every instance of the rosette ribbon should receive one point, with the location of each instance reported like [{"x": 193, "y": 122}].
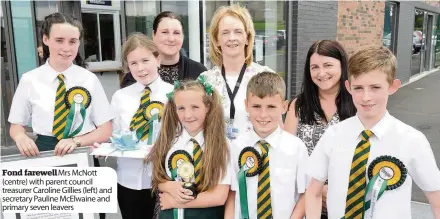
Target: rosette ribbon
[
  {"x": 243, "y": 191},
  {"x": 150, "y": 126},
  {"x": 75, "y": 120}
]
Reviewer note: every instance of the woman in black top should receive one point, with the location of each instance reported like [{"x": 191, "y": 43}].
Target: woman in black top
[{"x": 168, "y": 37}]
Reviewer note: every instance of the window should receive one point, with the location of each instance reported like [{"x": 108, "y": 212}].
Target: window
[
  {"x": 42, "y": 9},
  {"x": 437, "y": 43},
  {"x": 140, "y": 17},
  {"x": 23, "y": 33},
  {"x": 390, "y": 26},
  {"x": 102, "y": 44},
  {"x": 270, "y": 44},
  {"x": 210, "y": 7}
]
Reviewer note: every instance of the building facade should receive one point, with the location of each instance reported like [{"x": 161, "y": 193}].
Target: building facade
[{"x": 284, "y": 32}]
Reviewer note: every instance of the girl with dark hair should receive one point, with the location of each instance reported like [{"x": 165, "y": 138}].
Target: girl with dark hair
[
  {"x": 323, "y": 100},
  {"x": 65, "y": 102},
  {"x": 46, "y": 27},
  {"x": 168, "y": 37}
]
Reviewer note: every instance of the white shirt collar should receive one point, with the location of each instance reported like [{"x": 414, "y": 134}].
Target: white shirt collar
[
  {"x": 379, "y": 129},
  {"x": 155, "y": 85},
  {"x": 199, "y": 137},
  {"x": 51, "y": 74},
  {"x": 272, "y": 139}
]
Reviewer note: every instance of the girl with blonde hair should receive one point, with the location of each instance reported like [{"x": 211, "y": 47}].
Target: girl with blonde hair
[{"x": 191, "y": 155}]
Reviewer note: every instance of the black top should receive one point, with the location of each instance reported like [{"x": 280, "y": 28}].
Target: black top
[
  {"x": 169, "y": 73},
  {"x": 188, "y": 69}
]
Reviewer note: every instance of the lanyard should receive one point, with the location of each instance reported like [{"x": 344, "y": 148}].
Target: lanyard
[{"x": 233, "y": 94}]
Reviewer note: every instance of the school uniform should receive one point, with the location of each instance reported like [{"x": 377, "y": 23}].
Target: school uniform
[
  {"x": 287, "y": 162},
  {"x": 394, "y": 146},
  {"x": 214, "y": 77},
  {"x": 134, "y": 175},
  {"x": 34, "y": 100},
  {"x": 184, "y": 143}
]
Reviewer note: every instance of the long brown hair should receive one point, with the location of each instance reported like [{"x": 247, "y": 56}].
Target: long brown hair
[{"x": 216, "y": 154}]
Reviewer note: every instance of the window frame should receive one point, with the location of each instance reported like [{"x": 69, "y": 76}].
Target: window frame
[
  {"x": 395, "y": 23},
  {"x": 107, "y": 65}
]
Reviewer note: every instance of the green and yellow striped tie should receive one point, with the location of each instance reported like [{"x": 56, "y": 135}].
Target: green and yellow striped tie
[
  {"x": 264, "y": 205},
  {"x": 138, "y": 119},
  {"x": 61, "y": 111},
  {"x": 354, "y": 206},
  {"x": 197, "y": 156}
]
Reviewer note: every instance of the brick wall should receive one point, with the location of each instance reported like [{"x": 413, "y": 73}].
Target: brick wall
[
  {"x": 312, "y": 21},
  {"x": 360, "y": 23}
]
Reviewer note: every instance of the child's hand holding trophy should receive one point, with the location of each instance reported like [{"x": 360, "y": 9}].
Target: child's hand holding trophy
[{"x": 186, "y": 172}]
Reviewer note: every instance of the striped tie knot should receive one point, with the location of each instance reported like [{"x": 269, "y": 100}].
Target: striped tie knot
[
  {"x": 366, "y": 134},
  {"x": 138, "y": 122},
  {"x": 60, "y": 77},
  {"x": 197, "y": 157},
  {"x": 145, "y": 99},
  {"x": 264, "y": 146}
]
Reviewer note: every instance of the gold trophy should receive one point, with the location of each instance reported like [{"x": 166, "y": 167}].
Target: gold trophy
[{"x": 186, "y": 173}]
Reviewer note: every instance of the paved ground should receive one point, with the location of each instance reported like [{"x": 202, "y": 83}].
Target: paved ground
[{"x": 416, "y": 104}]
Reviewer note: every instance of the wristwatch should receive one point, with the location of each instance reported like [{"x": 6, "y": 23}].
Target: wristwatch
[{"x": 77, "y": 142}]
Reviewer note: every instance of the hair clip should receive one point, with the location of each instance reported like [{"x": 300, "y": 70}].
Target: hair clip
[
  {"x": 170, "y": 95},
  {"x": 208, "y": 86}
]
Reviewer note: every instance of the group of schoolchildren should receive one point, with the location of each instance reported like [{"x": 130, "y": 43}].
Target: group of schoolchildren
[{"x": 205, "y": 164}]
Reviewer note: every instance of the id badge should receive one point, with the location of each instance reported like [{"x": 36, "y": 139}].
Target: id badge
[{"x": 231, "y": 131}]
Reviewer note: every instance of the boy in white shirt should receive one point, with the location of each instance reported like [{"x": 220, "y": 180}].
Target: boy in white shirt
[
  {"x": 371, "y": 159},
  {"x": 268, "y": 163}
]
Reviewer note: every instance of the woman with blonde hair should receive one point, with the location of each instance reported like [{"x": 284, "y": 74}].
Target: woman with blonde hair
[{"x": 231, "y": 45}]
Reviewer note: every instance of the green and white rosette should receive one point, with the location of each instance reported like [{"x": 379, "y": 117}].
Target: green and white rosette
[
  {"x": 384, "y": 173},
  {"x": 152, "y": 113},
  {"x": 77, "y": 100},
  {"x": 250, "y": 164}
]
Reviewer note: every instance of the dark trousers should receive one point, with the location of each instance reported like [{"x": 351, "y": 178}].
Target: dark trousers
[
  {"x": 196, "y": 213},
  {"x": 136, "y": 204},
  {"x": 48, "y": 143}
]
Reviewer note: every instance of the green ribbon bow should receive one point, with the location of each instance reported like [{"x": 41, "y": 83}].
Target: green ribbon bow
[
  {"x": 208, "y": 86},
  {"x": 170, "y": 95}
]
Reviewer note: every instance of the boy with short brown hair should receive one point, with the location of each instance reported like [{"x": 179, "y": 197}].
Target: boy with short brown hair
[
  {"x": 269, "y": 163},
  {"x": 371, "y": 159}
]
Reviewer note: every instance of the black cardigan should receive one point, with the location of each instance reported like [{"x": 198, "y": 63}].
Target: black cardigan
[{"x": 188, "y": 69}]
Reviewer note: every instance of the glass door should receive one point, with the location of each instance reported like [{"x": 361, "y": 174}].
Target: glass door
[
  {"x": 427, "y": 64},
  {"x": 417, "y": 42}
]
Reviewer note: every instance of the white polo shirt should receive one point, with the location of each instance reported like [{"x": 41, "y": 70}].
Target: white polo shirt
[
  {"x": 34, "y": 99},
  {"x": 333, "y": 155},
  {"x": 287, "y": 162},
  {"x": 214, "y": 77},
  {"x": 134, "y": 173},
  {"x": 184, "y": 142}
]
